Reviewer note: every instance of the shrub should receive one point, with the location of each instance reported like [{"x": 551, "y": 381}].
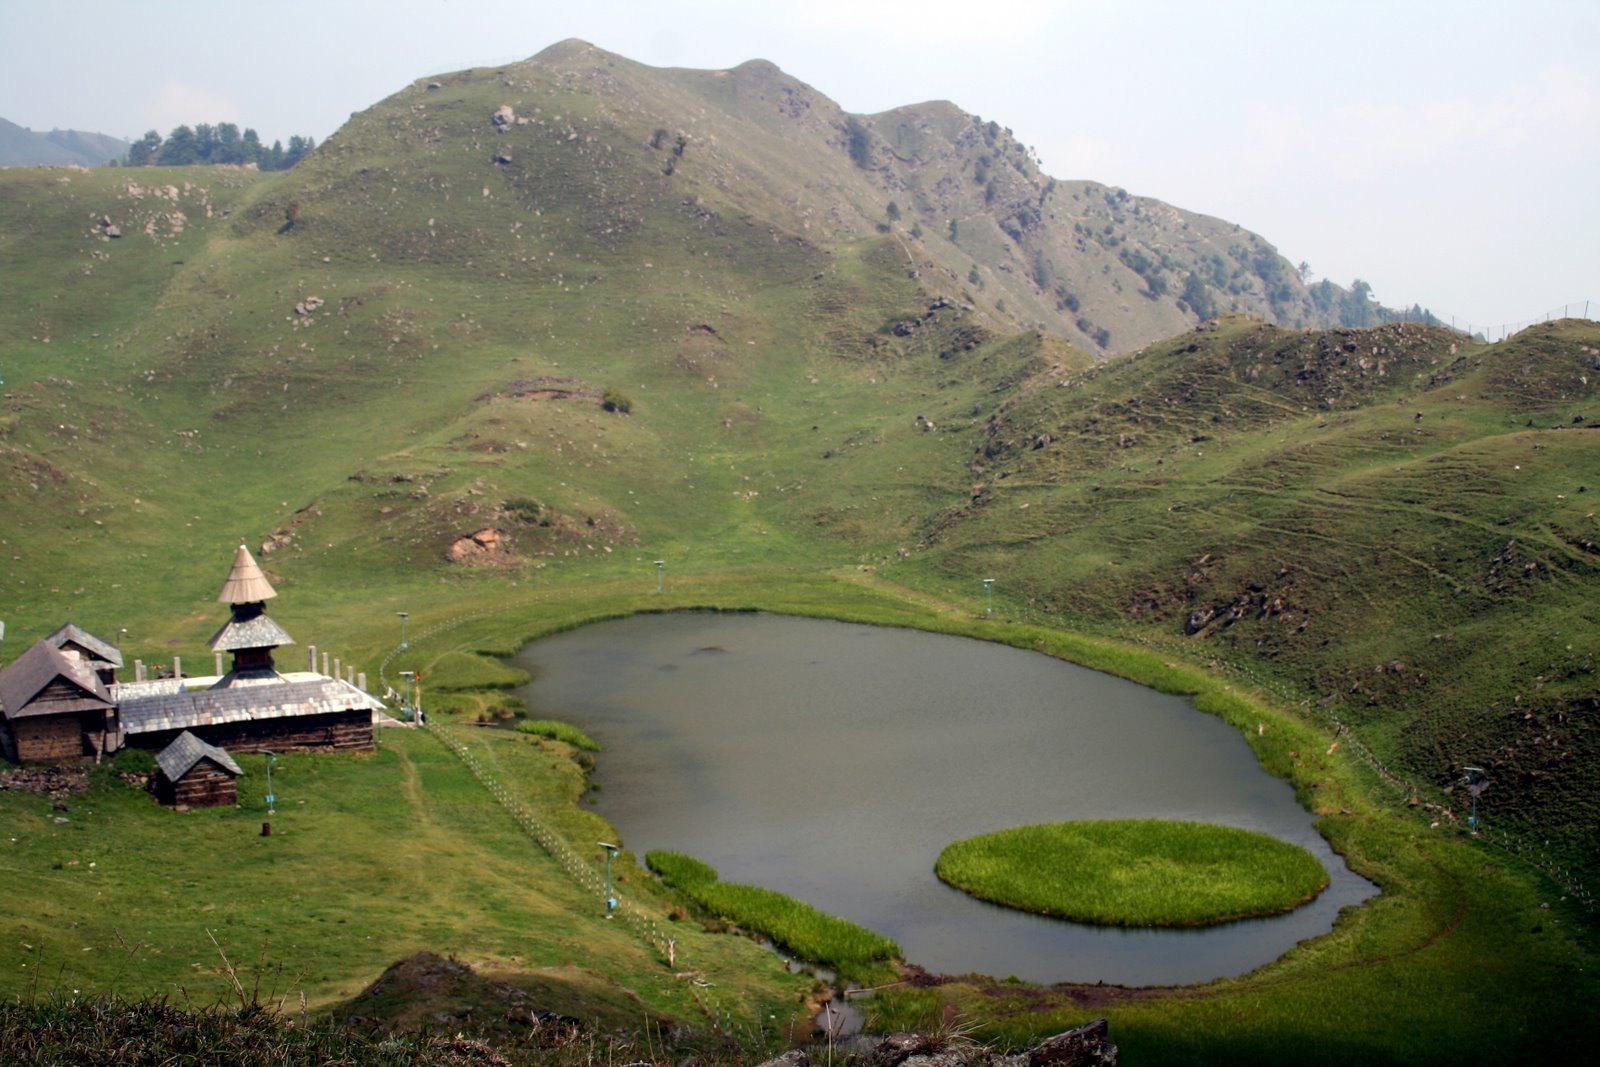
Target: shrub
[
  {"x": 858, "y": 142},
  {"x": 525, "y": 509},
  {"x": 616, "y": 400}
]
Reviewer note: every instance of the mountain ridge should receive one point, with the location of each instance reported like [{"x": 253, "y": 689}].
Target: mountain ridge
[
  {"x": 22, "y": 147},
  {"x": 1108, "y": 270}
]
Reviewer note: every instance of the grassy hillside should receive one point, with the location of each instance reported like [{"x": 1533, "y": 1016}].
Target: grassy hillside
[
  {"x": 485, "y": 366},
  {"x": 1394, "y": 527}
]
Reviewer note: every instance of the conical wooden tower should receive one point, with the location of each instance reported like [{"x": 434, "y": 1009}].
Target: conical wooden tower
[
  {"x": 246, "y": 584},
  {"x": 250, "y": 634}
]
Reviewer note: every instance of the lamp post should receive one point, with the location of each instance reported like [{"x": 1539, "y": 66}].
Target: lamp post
[
  {"x": 660, "y": 565},
  {"x": 611, "y": 854},
  {"x": 1477, "y": 781},
  {"x": 988, "y": 594},
  {"x": 271, "y": 759},
  {"x": 404, "y": 615}
]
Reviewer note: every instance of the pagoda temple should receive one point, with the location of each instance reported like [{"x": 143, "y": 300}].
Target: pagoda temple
[{"x": 254, "y": 705}]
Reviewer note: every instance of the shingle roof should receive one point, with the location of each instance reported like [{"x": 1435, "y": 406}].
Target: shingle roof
[
  {"x": 180, "y": 711},
  {"x": 179, "y": 758},
  {"x": 95, "y": 646},
  {"x": 30, "y": 673},
  {"x": 246, "y": 584}
]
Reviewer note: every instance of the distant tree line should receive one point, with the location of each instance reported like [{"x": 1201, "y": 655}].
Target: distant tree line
[
  {"x": 222, "y": 143},
  {"x": 1356, "y": 307}
]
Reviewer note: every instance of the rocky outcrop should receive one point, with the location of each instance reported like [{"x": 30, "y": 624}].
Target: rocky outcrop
[
  {"x": 485, "y": 542},
  {"x": 1087, "y": 1046}
]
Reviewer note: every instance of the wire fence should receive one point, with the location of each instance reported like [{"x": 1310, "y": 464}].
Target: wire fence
[
  {"x": 1578, "y": 309},
  {"x": 645, "y": 926}
]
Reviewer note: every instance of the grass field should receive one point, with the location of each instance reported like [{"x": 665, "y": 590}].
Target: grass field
[
  {"x": 1135, "y": 872},
  {"x": 1372, "y": 552},
  {"x": 370, "y": 858}
]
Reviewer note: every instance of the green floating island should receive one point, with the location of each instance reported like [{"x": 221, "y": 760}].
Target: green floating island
[{"x": 1135, "y": 872}]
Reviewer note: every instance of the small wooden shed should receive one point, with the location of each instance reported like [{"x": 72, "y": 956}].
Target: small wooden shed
[{"x": 194, "y": 773}]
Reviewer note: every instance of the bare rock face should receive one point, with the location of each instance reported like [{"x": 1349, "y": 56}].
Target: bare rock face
[{"x": 485, "y": 542}]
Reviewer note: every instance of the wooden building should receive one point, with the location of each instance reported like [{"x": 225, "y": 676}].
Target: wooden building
[
  {"x": 253, "y": 705},
  {"x": 104, "y": 658},
  {"x": 60, "y": 699},
  {"x": 195, "y": 774},
  {"x": 53, "y": 706},
  {"x": 286, "y": 716}
]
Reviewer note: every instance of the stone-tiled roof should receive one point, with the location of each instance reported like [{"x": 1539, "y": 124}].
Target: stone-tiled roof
[
  {"x": 148, "y": 688},
  {"x": 206, "y": 707},
  {"x": 257, "y": 631},
  {"x": 179, "y": 758},
  {"x": 98, "y": 648},
  {"x": 32, "y": 672}
]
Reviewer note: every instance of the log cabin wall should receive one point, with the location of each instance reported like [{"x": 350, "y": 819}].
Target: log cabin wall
[
  {"x": 48, "y": 738},
  {"x": 205, "y": 786},
  {"x": 343, "y": 731}
]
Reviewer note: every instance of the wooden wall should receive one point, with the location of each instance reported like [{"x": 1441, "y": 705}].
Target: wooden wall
[
  {"x": 341, "y": 731},
  {"x": 205, "y": 786},
  {"x": 45, "y": 738}
]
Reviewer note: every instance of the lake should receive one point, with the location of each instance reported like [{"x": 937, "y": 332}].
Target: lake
[{"x": 833, "y": 762}]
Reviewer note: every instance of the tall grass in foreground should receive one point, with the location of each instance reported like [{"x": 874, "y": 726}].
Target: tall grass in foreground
[
  {"x": 1135, "y": 872},
  {"x": 72, "y": 1030},
  {"x": 797, "y": 926}
]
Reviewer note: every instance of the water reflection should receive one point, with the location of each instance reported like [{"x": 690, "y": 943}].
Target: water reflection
[{"x": 833, "y": 762}]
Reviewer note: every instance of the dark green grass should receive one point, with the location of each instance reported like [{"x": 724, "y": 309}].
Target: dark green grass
[
  {"x": 1135, "y": 872},
  {"x": 559, "y": 731},
  {"x": 811, "y": 934}
]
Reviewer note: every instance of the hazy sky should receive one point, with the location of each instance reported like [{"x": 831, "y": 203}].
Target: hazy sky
[{"x": 1447, "y": 153}]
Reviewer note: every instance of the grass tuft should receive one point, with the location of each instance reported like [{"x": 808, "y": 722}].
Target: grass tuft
[
  {"x": 797, "y": 926},
  {"x": 559, "y": 731}
]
